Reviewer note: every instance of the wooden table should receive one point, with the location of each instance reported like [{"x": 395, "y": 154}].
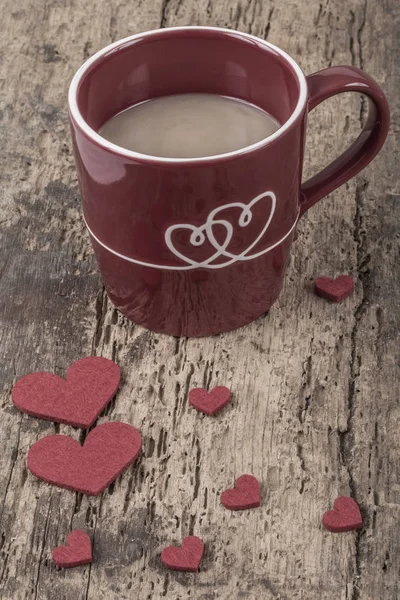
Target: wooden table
[{"x": 315, "y": 411}]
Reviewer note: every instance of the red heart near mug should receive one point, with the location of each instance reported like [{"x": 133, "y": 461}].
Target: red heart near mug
[{"x": 197, "y": 246}]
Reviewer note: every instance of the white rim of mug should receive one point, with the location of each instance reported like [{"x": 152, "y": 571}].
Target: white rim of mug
[{"x": 147, "y": 158}]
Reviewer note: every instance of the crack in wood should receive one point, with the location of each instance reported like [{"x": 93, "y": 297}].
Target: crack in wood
[
  {"x": 44, "y": 539},
  {"x": 237, "y": 16},
  {"x": 347, "y": 436},
  {"x": 267, "y": 28},
  {"x": 178, "y": 5},
  {"x": 187, "y": 384},
  {"x": 164, "y": 11},
  {"x": 101, "y": 311},
  {"x": 362, "y": 259},
  {"x": 13, "y": 462},
  {"x": 321, "y": 12},
  {"x": 197, "y": 470},
  {"x": 113, "y": 29},
  {"x": 300, "y": 456}
]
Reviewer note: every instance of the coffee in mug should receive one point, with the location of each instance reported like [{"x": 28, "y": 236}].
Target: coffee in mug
[{"x": 189, "y": 126}]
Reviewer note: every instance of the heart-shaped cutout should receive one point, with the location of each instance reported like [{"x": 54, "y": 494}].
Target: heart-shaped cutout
[
  {"x": 335, "y": 290},
  {"x": 77, "y": 551},
  {"x": 209, "y": 402},
  {"x": 345, "y": 516},
  {"x": 245, "y": 494},
  {"x": 108, "y": 450},
  {"x": 78, "y": 400},
  {"x": 186, "y": 557}
]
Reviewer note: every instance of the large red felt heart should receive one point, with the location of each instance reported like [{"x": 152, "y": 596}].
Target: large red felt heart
[
  {"x": 209, "y": 402},
  {"x": 334, "y": 289},
  {"x": 245, "y": 494},
  {"x": 187, "y": 557},
  {"x": 78, "y": 551},
  {"x": 77, "y": 400},
  {"x": 345, "y": 516},
  {"x": 108, "y": 450}
]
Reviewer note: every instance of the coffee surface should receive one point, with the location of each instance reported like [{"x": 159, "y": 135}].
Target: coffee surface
[{"x": 189, "y": 126}]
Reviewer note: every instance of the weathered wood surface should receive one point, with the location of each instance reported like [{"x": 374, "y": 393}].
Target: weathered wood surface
[{"x": 316, "y": 396}]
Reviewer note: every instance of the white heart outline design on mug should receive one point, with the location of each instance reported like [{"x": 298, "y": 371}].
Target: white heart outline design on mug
[
  {"x": 221, "y": 249},
  {"x": 198, "y": 234},
  {"x": 205, "y": 231}
]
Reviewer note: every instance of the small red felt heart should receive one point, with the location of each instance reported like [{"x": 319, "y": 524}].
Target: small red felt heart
[
  {"x": 209, "y": 402},
  {"x": 334, "y": 289},
  {"x": 78, "y": 551},
  {"x": 77, "y": 400},
  {"x": 187, "y": 557},
  {"x": 108, "y": 450},
  {"x": 245, "y": 494},
  {"x": 345, "y": 516}
]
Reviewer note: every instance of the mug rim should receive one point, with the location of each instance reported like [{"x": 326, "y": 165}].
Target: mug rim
[{"x": 77, "y": 117}]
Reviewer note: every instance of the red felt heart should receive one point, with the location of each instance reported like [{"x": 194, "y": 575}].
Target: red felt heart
[
  {"x": 209, "y": 402},
  {"x": 187, "y": 557},
  {"x": 108, "y": 450},
  {"x": 345, "y": 516},
  {"x": 334, "y": 289},
  {"x": 77, "y": 400},
  {"x": 78, "y": 551},
  {"x": 245, "y": 494}
]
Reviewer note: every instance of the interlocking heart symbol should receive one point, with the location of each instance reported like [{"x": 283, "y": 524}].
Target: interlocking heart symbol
[{"x": 206, "y": 232}]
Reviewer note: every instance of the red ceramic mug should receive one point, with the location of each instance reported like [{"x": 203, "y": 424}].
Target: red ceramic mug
[{"x": 199, "y": 246}]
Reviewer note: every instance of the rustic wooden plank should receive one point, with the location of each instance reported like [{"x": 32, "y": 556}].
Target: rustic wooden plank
[
  {"x": 369, "y": 443},
  {"x": 308, "y": 418},
  {"x": 51, "y": 294}
]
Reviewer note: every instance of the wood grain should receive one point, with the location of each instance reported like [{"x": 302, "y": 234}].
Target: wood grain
[{"x": 315, "y": 411}]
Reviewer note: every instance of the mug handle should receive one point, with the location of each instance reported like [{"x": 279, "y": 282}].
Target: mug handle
[{"x": 323, "y": 85}]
